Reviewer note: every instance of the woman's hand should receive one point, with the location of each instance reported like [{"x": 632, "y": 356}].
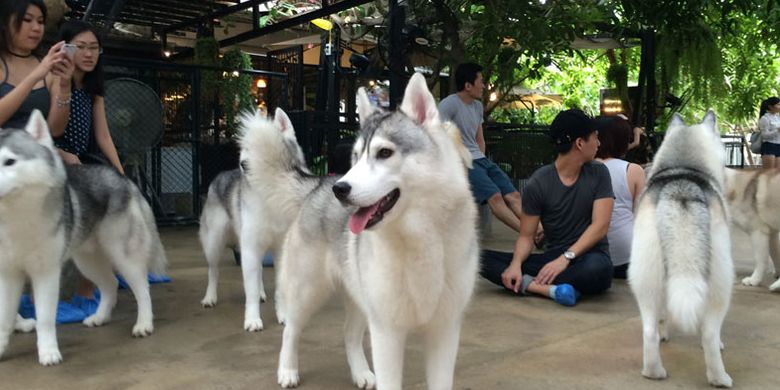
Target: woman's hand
[{"x": 54, "y": 56}]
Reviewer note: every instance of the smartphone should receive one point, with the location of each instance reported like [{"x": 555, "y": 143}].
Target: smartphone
[{"x": 70, "y": 49}]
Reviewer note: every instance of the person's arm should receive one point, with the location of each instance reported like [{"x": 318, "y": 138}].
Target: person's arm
[
  {"x": 638, "y": 131},
  {"x": 480, "y": 139},
  {"x": 102, "y": 135},
  {"x": 59, "y": 110},
  {"x": 513, "y": 275},
  {"x": 598, "y": 228},
  {"x": 765, "y": 125},
  {"x": 11, "y": 102},
  {"x": 636, "y": 181}
]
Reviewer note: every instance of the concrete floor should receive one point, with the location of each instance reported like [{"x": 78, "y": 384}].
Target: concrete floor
[{"x": 507, "y": 342}]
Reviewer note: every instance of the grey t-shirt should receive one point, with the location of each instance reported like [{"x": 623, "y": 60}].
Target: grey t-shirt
[
  {"x": 567, "y": 211},
  {"x": 468, "y": 117}
]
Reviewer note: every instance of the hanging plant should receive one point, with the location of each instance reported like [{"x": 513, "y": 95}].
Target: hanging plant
[
  {"x": 237, "y": 87},
  {"x": 207, "y": 54}
]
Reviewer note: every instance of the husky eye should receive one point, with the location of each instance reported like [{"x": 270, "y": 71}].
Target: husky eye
[
  {"x": 384, "y": 153},
  {"x": 9, "y": 162}
]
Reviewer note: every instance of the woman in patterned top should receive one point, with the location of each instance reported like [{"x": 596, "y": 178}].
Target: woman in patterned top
[{"x": 87, "y": 109}]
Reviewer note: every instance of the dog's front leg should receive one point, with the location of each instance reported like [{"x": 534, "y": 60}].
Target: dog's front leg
[
  {"x": 387, "y": 351},
  {"x": 355, "y": 326},
  {"x": 760, "y": 242},
  {"x": 252, "y": 251},
  {"x": 11, "y": 284},
  {"x": 441, "y": 350},
  {"x": 46, "y": 287}
]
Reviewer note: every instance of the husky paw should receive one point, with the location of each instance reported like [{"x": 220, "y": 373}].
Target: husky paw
[
  {"x": 263, "y": 297},
  {"x": 654, "y": 372},
  {"x": 775, "y": 286},
  {"x": 751, "y": 281},
  {"x": 95, "y": 320},
  {"x": 49, "y": 357},
  {"x": 723, "y": 380},
  {"x": 24, "y": 325},
  {"x": 208, "y": 302},
  {"x": 364, "y": 380},
  {"x": 253, "y": 325},
  {"x": 142, "y": 330},
  {"x": 288, "y": 378}
]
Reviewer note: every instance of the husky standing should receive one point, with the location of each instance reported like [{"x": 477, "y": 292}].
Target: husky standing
[
  {"x": 681, "y": 252},
  {"x": 754, "y": 197},
  {"x": 50, "y": 212},
  {"x": 403, "y": 246},
  {"x": 250, "y": 209}
]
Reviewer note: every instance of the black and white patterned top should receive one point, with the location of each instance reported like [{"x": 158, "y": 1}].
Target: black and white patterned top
[{"x": 78, "y": 133}]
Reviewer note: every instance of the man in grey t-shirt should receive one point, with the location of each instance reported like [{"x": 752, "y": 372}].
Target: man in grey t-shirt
[
  {"x": 489, "y": 183},
  {"x": 573, "y": 198}
]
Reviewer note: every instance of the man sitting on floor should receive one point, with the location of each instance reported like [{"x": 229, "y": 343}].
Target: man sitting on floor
[{"x": 573, "y": 199}]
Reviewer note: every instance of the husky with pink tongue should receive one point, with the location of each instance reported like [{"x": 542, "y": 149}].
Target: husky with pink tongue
[{"x": 398, "y": 239}]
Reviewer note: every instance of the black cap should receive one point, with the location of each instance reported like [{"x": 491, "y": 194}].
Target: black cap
[{"x": 569, "y": 125}]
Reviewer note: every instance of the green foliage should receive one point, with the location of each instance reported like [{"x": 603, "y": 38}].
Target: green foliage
[
  {"x": 236, "y": 88},
  {"x": 207, "y": 54}
]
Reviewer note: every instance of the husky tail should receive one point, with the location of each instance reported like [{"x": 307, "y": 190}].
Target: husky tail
[{"x": 684, "y": 227}]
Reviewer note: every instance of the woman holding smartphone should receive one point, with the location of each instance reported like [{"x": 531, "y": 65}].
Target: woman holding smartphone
[
  {"x": 28, "y": 82},
  {"x": 87, "y": 121}
]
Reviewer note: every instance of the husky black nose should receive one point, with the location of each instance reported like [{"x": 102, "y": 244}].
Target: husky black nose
[{"x": 341, "y": 190}]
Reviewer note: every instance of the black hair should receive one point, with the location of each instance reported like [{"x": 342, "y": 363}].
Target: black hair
[
  {"x": 15, "y": 8},
  {"x": 466, "y": 73},
  {"x": 765, "y": 105},
  {"x": 615, "y": 134},
  {"x": 93, "y": 81}
]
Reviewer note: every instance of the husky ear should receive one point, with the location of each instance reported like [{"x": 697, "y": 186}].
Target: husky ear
[
  {"x": 282, "y": 121},
  {"x": 710, "y": 120},
  {"x": 418, "y": 102},
  {"x": 364, "y": 106},
  {"x": 39, "y": 129},
  {"x": 677, "y": 120}
]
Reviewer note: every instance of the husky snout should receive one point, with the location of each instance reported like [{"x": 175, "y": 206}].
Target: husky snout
[{"x": 342, "y": 189}]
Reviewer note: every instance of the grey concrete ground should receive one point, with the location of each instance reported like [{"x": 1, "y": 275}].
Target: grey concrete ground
[{"x": 508, "y": 342}]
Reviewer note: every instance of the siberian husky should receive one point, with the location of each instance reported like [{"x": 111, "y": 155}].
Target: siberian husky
[
  {"x": 249, "y": 209},
  {"x": 49, "y": 213},
  {"x": 754, "y": 197},
  {"x": 399, "y": 238},
  {"x": 681, "y": 253}
]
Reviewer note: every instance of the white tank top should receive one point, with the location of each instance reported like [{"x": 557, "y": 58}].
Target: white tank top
[{"x": 622, "y": 224}]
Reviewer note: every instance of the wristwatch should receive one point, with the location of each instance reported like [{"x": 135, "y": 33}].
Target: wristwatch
[{"x": 569, "y": 255}]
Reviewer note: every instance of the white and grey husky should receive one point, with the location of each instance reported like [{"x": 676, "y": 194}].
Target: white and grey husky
[
  {"x": 681, "y": 253},
  {"x": 400, "y": 240},
  {"x": 754, "y": 197},
  {"x": 50, "y": 212},
  {"x": 250, "y": 209}
]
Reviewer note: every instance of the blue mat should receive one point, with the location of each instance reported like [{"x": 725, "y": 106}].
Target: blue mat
[{"x": 78, "y": 308}]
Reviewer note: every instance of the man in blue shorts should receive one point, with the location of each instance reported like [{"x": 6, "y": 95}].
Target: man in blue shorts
[{"x": 488, "y": 182}]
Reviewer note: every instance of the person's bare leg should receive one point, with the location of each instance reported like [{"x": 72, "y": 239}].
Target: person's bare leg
[
  {"x": 536, "y": 288},
  {"x": 512, "y": 200},
  {"x": 503, "y": 212},
  {"x": 768, "y": 161}
]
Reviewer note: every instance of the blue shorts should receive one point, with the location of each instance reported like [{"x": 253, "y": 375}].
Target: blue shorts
[
  {"x": 770, "y": 149},
  {"x": 487, "y": 179}
]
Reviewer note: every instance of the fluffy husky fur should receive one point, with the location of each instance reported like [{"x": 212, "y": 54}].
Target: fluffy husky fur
[
  {"x": 681, "y": 252},
  {"x": 49, "y": 213},
  {"x": 249, "y": 209},
  {"x": 754, "y": 197},
  {"x": 402, "y": 245}
]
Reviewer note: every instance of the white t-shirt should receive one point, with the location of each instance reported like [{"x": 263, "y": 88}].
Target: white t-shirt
[{"x": 769, "y": 124}]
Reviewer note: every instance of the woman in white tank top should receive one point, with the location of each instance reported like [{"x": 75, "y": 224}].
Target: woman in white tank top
[{"x": 628, "y": 181}]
